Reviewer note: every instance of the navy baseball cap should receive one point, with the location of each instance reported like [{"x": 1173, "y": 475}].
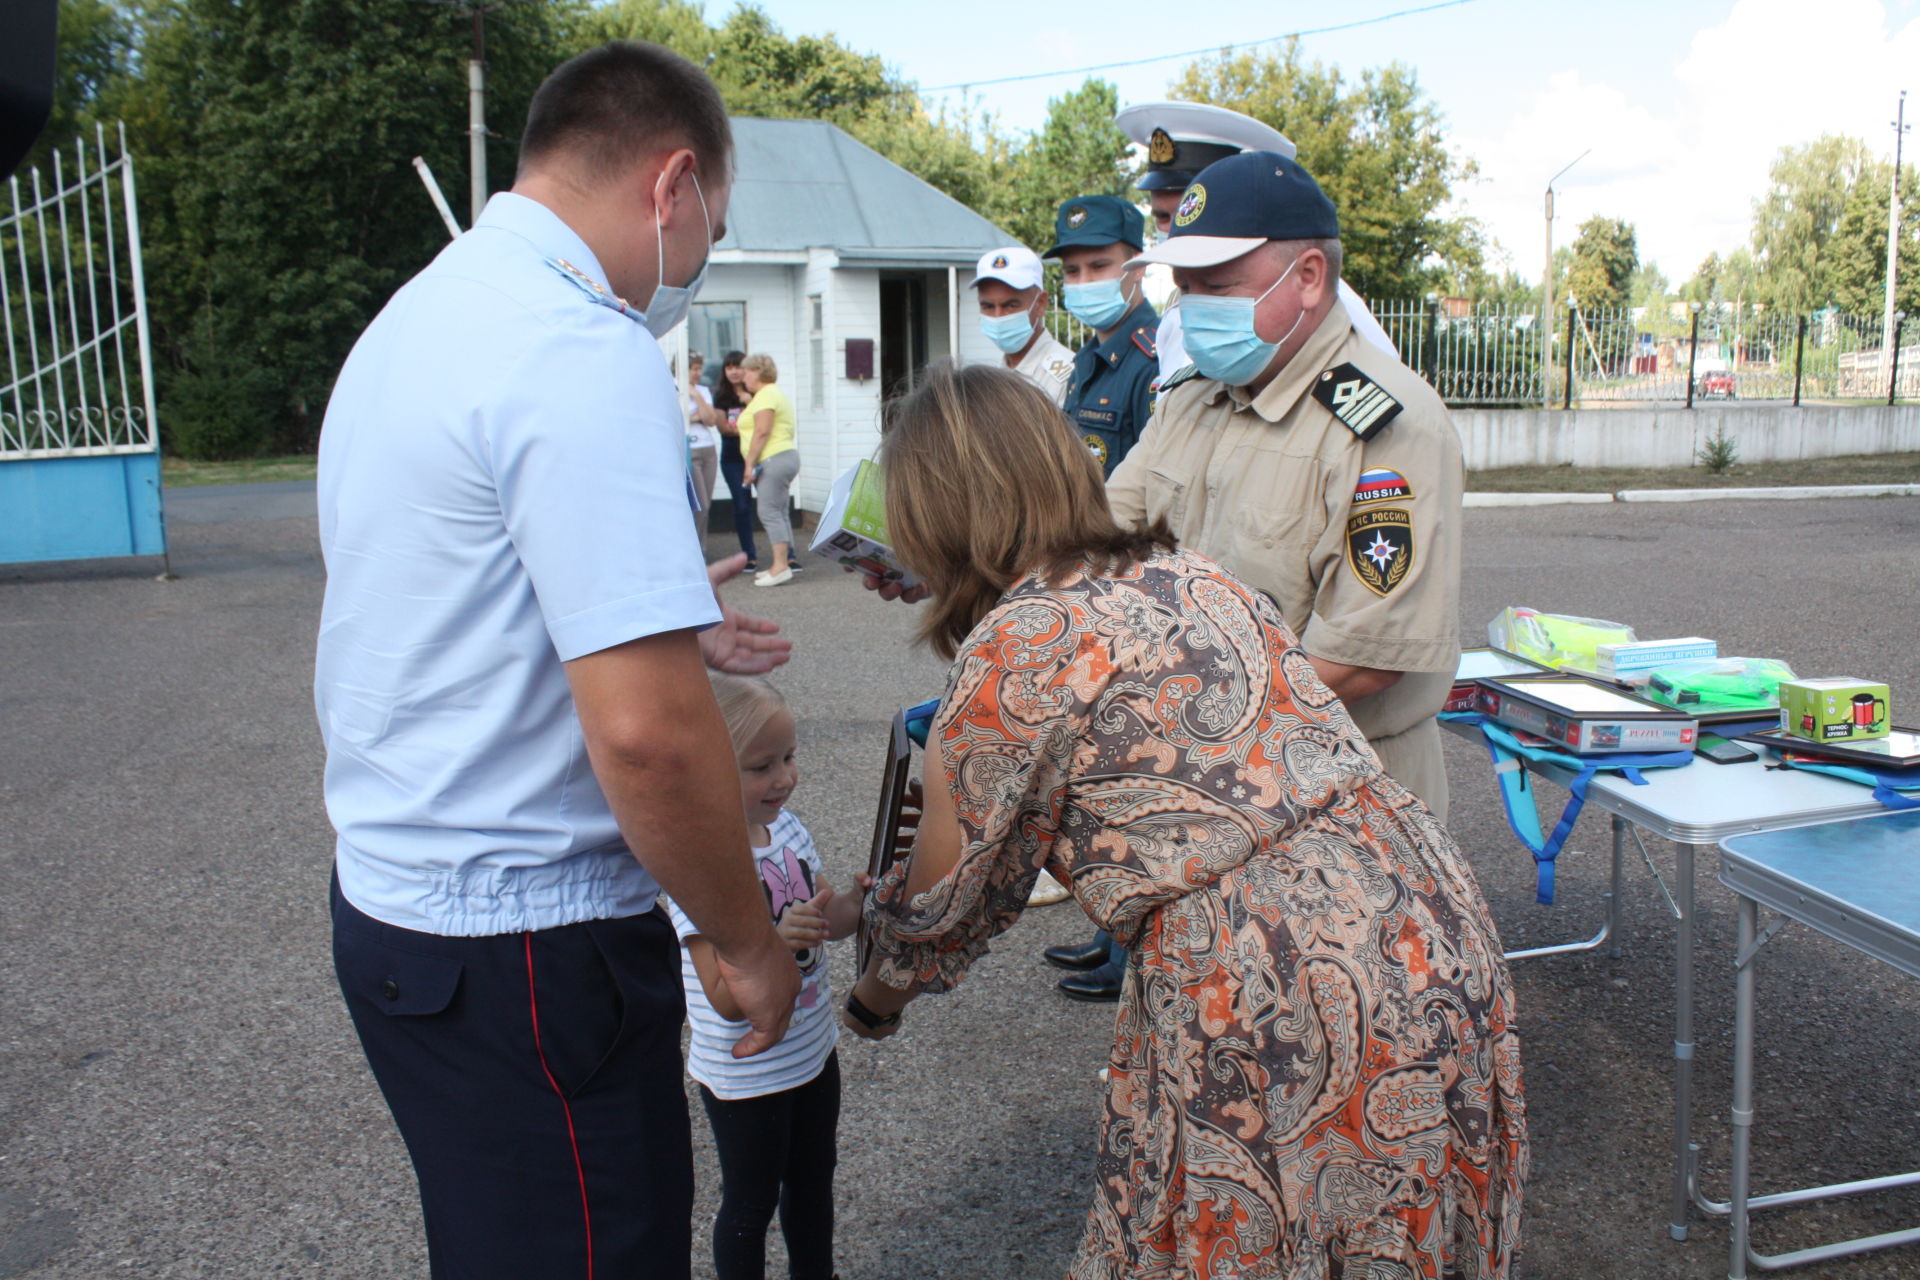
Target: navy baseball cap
[
  {"x": 1238, "y": 204},
  {"x": 1096, "y": 220}
]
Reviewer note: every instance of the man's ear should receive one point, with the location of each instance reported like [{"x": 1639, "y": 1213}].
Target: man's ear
[
  {"x": 673, "y": 186},
  {"x": 1313, "y": 275}
]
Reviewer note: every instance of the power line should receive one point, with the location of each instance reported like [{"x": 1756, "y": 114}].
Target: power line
[{"x": 1195, "y": 53}]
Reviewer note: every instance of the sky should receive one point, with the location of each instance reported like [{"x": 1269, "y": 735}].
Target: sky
[{"x": 1681, "y": 105}]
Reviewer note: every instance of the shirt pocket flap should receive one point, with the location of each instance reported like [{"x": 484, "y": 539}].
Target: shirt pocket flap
[{"x": 399, "y": 983}]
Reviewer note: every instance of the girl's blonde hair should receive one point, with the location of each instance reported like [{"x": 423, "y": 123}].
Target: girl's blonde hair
[
  {"x": 746, "y": 703},
  {"x": 987, "y": 482},
  {"x": 762, "y": 363}
]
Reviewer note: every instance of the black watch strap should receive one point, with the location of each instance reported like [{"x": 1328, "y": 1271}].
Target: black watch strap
[{"x": 868, "y": 1018}]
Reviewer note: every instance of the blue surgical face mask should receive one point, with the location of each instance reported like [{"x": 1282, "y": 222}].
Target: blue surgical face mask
[
  {"x": 1009, "y": 333},
  {"x": 1102, "y": 304},
  {"x": 1221, "y": 339},
  {"x": 671, "y": 302}
]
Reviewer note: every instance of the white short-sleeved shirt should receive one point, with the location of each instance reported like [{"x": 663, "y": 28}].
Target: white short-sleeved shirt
[
  {"x": 699, "y": 434},
  {"x": 502, "y": 489},
  {"x": 789, "y": 872}
]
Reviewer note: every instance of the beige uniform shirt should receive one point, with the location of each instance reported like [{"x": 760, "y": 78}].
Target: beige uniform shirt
[
  {"x": 1358, "y": 543},
  {"x": 1048, "y": 365}
]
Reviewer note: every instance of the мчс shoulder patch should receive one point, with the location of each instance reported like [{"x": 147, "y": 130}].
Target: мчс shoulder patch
[
  {"x": 1380, "y": 547},
  {"x": 1377, "y": 484},
  {"x": 1362, "y": 405}
]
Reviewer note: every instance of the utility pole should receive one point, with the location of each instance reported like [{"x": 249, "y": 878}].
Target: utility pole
[
  {"x": 1546, "y": 296},
  {"x": 1887, "y": 335},
  {"x": 477, "y": 116}
]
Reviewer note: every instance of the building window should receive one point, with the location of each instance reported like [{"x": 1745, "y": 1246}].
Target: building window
[
  {"x": 715, "y": 328},
  {"x": 817, "y": 353}
]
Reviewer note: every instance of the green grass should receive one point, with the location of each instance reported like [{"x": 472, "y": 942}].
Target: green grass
[
  {"x": 1886, "y": 468},
  {"x": 178, "y": 472}
]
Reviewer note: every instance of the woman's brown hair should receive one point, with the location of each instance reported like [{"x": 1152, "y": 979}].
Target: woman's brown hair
[{"x": 986, "y": 482}]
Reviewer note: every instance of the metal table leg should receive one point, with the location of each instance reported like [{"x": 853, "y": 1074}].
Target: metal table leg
[
  {"x": 1742, "y": 1086},
  {"x": 1613, "y": 892},
  {"x": 1682, "y": 1036}
]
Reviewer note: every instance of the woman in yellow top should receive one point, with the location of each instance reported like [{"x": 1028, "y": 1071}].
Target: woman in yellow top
[{"x": 772, "y": 461}]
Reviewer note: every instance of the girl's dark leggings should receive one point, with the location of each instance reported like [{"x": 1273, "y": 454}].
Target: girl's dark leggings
[{"x": 776, "y": 1151}]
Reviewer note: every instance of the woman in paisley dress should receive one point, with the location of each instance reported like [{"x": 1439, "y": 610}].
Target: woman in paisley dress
[{"x": 1316, "y": 1069}]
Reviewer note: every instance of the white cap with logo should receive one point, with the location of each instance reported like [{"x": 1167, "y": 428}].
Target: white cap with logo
[{"x": 1014, "y": 266}]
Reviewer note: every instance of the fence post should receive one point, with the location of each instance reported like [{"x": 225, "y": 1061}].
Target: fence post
[
  {"x": 1693, "y": 350},
  {"x": 1573, "y": 313},
  {"x": 1799, "y": 358},
  {"x": 1431, "y": 357},
  {"x": 1893, "y": 383}
]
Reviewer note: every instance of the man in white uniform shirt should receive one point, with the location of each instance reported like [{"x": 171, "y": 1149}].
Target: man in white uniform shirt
[
  {"x": 1013, "y": 312},
  {"x": 522, "y": 745}
]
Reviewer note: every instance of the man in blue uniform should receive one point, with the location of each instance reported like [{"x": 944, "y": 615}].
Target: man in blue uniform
[
  {"x": 1111, "y": 395},
  {"x": 1108, "y": 402}
]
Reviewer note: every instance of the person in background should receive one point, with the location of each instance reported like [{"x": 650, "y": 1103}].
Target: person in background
[
  {"x": 1110, "y": 396},
  {"x": 1181, "y": 139},
  {"x": 730, "y": 398},
  {"x": 1010, "y": 285},
  {"x": 703, "y": 436},
  {"x": 772, "y": 461}
]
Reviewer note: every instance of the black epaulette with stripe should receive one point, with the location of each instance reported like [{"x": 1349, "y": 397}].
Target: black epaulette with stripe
[{"x": 1361, "y": 404}]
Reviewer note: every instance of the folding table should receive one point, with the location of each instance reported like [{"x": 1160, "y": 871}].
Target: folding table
[{"x": 1853, "y": 881}]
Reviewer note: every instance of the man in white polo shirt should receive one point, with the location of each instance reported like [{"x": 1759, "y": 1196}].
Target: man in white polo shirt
[
  {"x": 522, "y": 746},
  {"x": 1013, "y": 313}
]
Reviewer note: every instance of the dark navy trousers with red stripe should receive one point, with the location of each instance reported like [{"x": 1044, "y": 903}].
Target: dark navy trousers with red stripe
[{"x": 536, "y": 1079}]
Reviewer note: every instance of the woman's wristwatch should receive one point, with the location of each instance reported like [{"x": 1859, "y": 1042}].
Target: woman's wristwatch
[{"x": 868, "y": 1018}]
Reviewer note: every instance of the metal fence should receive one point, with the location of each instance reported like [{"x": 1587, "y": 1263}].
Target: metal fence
[
  {"x": 1491, "y": 354},
  {"x": 78, "y": 380}
]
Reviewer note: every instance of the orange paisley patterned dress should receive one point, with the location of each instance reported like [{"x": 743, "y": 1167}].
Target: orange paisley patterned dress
[{"x": 1316, "y": 1063}]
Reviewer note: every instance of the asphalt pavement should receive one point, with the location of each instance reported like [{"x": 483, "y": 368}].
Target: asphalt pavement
[{"x": 181, "y": 1094}]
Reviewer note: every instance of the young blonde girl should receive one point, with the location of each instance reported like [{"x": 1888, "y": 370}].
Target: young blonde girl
[{"x": 774, "y": 1115}]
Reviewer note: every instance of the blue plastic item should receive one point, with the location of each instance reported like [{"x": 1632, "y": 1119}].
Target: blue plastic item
[{"x": 1516, "y": 786}]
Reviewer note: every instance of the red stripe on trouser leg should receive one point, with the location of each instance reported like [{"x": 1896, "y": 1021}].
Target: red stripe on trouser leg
[{"x": 573, "y": 1141}]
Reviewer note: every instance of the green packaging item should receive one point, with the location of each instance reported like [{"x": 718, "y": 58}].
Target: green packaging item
[
  {"x": 1719, "y": 684},
  {"x": 853, "y": 528},
  {"x": 1555, "y": 639},
  {"x": 1838, "y": 710}
]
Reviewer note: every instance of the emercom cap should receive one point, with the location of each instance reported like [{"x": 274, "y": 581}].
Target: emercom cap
[
  {"x": 1240, "y": 203},
  {"x": 1096, "y": 220}
]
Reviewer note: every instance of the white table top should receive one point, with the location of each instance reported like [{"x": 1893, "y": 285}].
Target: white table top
[{"x": 1704, "y": 802}]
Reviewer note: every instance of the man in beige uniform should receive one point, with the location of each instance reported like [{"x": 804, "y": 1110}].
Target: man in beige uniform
[{"x": 1306, "y": 460}]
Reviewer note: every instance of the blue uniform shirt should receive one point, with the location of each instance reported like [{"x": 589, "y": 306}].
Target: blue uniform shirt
[
  {"x": 1111, "y": 395},
  {"x": 501, "y": 491}
]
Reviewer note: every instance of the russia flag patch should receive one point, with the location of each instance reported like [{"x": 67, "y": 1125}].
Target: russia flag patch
[{"x": 1377, "y": 484}]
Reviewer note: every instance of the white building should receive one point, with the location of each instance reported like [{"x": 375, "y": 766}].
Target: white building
[{"x": 833, "y": 252}]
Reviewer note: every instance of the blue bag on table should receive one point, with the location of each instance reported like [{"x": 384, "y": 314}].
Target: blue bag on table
[
  {"x": 1516, "y": 786},
  {"x": 1894, "y": 788}
]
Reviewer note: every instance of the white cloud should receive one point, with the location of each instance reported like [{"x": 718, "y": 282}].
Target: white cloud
[{"x": 1685, "y": 161}]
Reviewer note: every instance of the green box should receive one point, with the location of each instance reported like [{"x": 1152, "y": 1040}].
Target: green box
[
  {"x": 853, "y": 528},
  {"x": 1841, "y": 710}
]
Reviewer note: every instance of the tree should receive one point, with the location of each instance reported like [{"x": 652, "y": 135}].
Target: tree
[
  {"x": 94, "y": 54},
  {"x": 1605, "y": 257},
  {"x": 280, "y": 196},
  {"x": 1078, "y": 152},
  {"x": 1377, "y": 148},
  {"x": 1795, "y": 222},
  {"x": 1649, "y": 287},
  {"x": 1857, "y": 254}
]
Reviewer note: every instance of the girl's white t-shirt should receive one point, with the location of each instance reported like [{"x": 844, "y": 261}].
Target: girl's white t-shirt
[
  {"x": 789, "y": 873},
  {"x": 699, "y": 435}
]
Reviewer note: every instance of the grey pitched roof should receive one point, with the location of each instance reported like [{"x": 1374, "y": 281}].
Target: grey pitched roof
[{"x": 803, "y": 184}]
